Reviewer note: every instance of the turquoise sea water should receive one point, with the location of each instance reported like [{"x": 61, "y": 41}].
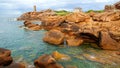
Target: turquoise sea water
[{"x": 27, "y": 45}]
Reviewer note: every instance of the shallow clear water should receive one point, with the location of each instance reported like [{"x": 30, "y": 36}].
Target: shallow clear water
[{"x": 27, "y": 45}]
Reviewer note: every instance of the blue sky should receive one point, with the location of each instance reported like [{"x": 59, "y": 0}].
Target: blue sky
[{"x": 19, "y": 6}]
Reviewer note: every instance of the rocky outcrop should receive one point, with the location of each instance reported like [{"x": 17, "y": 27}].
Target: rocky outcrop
[
  {"x": 106, "y": 42},
  {"x": 36, "y": 15},
  {"x": 6, "y": 61},
  {"x": 50, "y": 22},
  {"x": 5, "y": 57},
  {"x": 72, "y": 41},
  {"x": 78, "y": 17},
  {"x": 29, "y": 25},
  {"x": 117, "y": 5},
  {"x": 15, "y": 65},
  {"x": 46, "y": 61},
  {"x": 109, "y": 8},
  {"x": 107, "y": 16},
  {"x": 54, "y": 37}
]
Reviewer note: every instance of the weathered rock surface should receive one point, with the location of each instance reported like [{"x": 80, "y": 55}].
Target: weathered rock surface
[
  {"x": 52, "y": 21},
  {"x": 72, "y": 41},
  {"x": 54, "y": 37},
  {"x": 36, "y": 15},
  {"x": 109, "y": 8},
  {"x": 6, "y": 61},
  {"x": 78, "y": 17},
  {"x": 29, "y": 25},
  {"x": 107, "y": 16},
  {"x": 106, "y": 42},
  {"x": 117, "y": 5},
  {"x": 15, "y": 65},
  {"x": 5, "y": 57},
  {"x": 46, "y": 61},
  {"x": 60, "y": 56}
]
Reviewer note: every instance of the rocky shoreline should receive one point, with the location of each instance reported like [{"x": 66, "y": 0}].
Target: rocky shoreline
[
  {"x": 78, "y": 28},
  {"x": 72, "y": 30},
  {"x": 75, "y": 29}
]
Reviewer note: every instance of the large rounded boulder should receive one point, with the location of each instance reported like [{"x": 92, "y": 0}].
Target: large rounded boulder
[
  {"x": 46, "y": 61},
  {"x": 54, "y": 37},
  {"x": 5, "y": 58}
]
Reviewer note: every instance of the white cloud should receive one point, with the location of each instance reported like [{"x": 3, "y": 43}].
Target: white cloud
[{"x": 44, "y": 4}]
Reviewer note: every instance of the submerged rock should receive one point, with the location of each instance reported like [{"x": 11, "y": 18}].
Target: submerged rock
[
  {"x": 60, "y": 56},
  {"x": 70, "y": 66},
  {"x": 46, "y": 61},
  {"x": 54, "y": 37}
]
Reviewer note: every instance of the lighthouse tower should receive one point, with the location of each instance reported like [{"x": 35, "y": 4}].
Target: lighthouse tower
[{"x": 34, "y": 8}]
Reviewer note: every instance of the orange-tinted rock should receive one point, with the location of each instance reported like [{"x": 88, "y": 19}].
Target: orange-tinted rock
[
  {"x": 74, "y": 41},
  {"x": 106, "y": 42},
  {"x": 118, "y": 53},
  {"x": 36, "y": 15},
  {"x": 117, "y": 5},
  {"x": 15, "y": 65},
  {"x": 107, "y": 16},
  {"x": 5, "y": 57},
  {"x": 78, "y": 17},
  {"x": 46, "y": 61},
  {"x": 52, "y": 21},
  {"x": 31, "y": 26},
  {"x": 60, "y": 56},
  {"x": 54, "y": 37}
]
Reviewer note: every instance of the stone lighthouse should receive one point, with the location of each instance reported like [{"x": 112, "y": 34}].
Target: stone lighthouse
[{"x": 34, "y": 8}]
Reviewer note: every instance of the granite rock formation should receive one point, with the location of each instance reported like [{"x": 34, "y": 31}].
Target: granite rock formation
[
  {"x": 6, "y": 61},
  {"x": 54, "y": 37},
  {"x": 46, "y": 61}
]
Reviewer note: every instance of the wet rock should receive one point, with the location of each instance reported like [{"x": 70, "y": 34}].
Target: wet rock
[
  {"x": 106, "y": 42},
  {"x": 5, "y": 57},
  {"x": 60, "y": 56},
  {"x": 46, "y": 61},
  {"x": 54, "y": 37},
  {"x": 78, "y": 17}
]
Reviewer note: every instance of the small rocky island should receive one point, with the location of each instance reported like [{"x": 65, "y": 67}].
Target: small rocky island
[{"x": 99, "y": 28}]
